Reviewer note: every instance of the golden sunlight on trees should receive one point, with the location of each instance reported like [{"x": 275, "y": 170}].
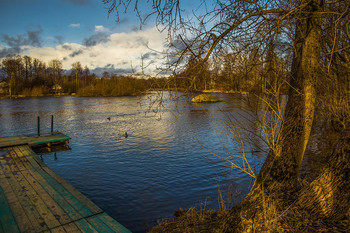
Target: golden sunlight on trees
[
  {"x": 26, "y": 76},
  {"x": 302, "y": 45}
]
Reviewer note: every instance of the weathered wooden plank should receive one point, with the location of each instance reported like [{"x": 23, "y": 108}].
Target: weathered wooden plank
[
  {"x": 18, "y": 160},
  {"x": 38, "y": 200},
  {"x": 33, "y": 162},
  {"x": 33, "y": 140},
  {"x": 27, "y": 151},
  {"x": 4, "y": 139},
  {"x": 85, "y": 226},
  {"x": 98, "y": 224},
  {"x": 7, "y": 220},
  {"x": 72, "y": 200},
  {"x": 71, "y": 227},
  {"x": 50, "y": 139},
  {"x": 31, "y": 212},
  {"x": 7, "y": 163},
  {"x": 61, "y": 200},
  {"x": 59, "y": 229},
  {"x": 51, "y": 204},
  {"x": 95, "y": 222},
  {"x": 23, "y": 222},
  {"x": 5, "y": 168},
  {"x": 22, "y": 158},
  {"x": 78, "y": 195},
  {"x": 39, "y": 204},
  {"x": 113, "y": 224}
]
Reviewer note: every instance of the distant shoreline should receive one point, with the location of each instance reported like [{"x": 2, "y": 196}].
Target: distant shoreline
[{"x": 144, "y": 93}]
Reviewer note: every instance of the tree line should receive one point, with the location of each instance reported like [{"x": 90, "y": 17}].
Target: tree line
[
  {"x": 27, "y": 76},
  {"x": 252, "y": 72}
]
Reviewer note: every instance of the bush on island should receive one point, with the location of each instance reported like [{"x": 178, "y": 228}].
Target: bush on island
[{"x": 206, "y": 98}]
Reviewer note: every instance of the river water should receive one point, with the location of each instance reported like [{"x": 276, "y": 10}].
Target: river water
[{"x": 165, "y": 162}]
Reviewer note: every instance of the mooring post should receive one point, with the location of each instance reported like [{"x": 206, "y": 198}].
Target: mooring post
[
  {"x": 38, "y": 126},
  {"x": 51, "y": 123}
]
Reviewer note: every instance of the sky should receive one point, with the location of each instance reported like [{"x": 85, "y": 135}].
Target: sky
[{"x": 80, "y": 30}]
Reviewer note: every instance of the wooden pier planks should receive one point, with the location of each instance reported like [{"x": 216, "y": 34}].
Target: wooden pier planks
[
  {"x": 33, "y": 139},
  {"x": 35, "y": 199}
]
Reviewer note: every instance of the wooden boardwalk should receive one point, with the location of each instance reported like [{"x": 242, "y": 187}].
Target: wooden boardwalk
[
  {"x": 33, "y": 139},
  {"x": 35, "y": 199}
]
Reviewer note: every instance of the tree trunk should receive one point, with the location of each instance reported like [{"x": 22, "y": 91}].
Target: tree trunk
[
  {"x": 277, "y": 183},
  {"x": 283, "y": 162}
]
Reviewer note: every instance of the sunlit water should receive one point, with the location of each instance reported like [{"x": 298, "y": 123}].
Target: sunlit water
[{"x": 163, "y": 164}]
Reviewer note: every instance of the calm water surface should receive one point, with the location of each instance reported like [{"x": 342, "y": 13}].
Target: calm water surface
[{"x": 163, "y": 164}]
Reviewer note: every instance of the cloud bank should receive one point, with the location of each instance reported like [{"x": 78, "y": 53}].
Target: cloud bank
[
  {"x": 14, "y": 45},
  {"x": 118, "y": 52}
]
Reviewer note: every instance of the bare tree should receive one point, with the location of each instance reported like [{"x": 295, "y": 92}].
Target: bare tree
[
  {"x": 55, "y": 67},
  {"x": 77, "y": 71},
  {"x": 248, "y": 27},
  {"x": 14, "y": 68}
]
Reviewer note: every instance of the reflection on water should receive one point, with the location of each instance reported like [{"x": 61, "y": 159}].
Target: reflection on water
[{"x": 159, "y": 168}]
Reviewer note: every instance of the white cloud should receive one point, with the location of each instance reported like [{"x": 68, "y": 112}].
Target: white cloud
[
  {"x": 74, "y": 25},
  {"x": 100, "y": 28},
  {"x": 123, "y": 50}
]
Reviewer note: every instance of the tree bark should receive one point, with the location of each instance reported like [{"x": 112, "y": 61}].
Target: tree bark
[
  {"x": 283, "y": 162},
  {"x": 328, "y": 196}
]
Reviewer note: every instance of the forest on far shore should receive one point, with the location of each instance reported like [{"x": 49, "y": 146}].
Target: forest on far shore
[{"x": 24, "y": 76}]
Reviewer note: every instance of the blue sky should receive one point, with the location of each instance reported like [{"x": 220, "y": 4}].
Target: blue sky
[{"x": 78, "y": 30}]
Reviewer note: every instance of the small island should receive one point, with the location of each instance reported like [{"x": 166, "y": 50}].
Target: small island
[{"x": 206, "y": 98}]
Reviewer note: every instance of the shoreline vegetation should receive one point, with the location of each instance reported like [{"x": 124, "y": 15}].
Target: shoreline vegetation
[
  {"x": 25, "y": 76},
  {"x": 85, "y": 93}
]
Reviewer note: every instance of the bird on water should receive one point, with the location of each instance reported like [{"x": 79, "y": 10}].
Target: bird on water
[
  {"x": 126, "y": 135},
  {"x": 109, "y": 118}
]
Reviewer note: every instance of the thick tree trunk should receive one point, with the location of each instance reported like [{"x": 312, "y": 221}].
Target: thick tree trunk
[
  {"x": 277, "y": 183},
  {"x": 283, "y": 162}
]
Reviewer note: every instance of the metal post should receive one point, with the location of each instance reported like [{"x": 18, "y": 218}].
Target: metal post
[
  {"x": 51, "y": 123},
  {"x": 38, "y": 126}
]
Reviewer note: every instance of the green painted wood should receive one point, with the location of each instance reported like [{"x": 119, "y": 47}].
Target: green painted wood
[
  {"x": 99, "y": 225},
  {"x": 89, "y": 204},
  {"x": 61, "y": 200},
  {"x": 9, "y": 182},
  {"x": 71, "y": 227},
  {"x": 113, "y": 224},
  {"x": 85, "y": 226},
  {"x": 95, "y": 221},
  {"x": 33, "y": 140},
  {"x": 7, "y": 221},
  {"x": 58, "y": 212},
  {"x": 39, "y": 200},
  {"x": 71, "y": 199}
]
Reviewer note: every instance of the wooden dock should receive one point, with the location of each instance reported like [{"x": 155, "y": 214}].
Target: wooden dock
[
  {"x": 33, "y": 139},
  {"x": 35, "y": 199}
]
